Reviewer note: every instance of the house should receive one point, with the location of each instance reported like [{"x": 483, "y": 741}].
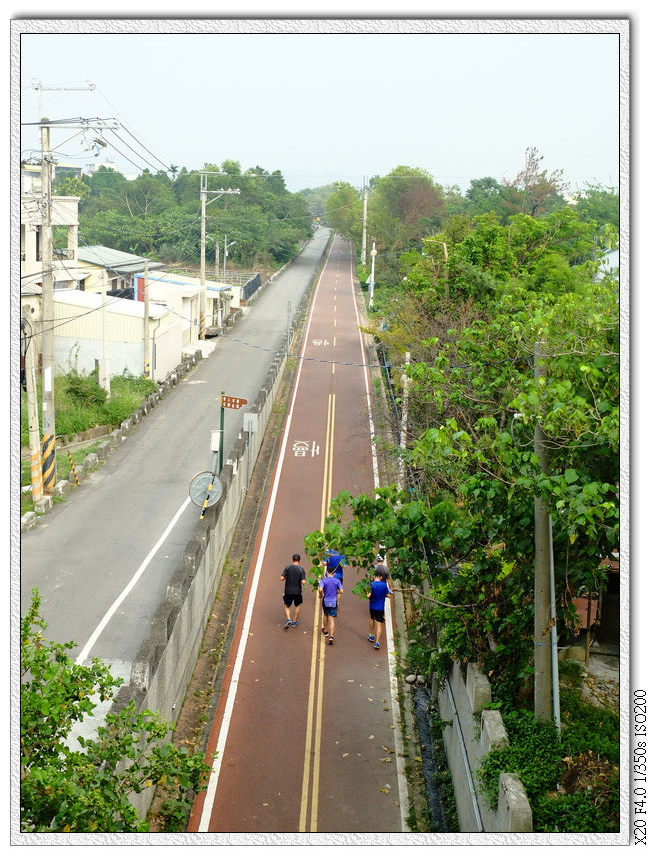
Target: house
[
  {"x": 65, "y": 226},
  {"x": 173, "y": 289},
  {"x": 86, "y": 326},
  {"x": 111, "y": 270},
  {"x": 98, "y": 296}
]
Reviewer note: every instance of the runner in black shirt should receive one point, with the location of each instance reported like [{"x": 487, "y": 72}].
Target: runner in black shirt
[{"x": 293, "y": 577}]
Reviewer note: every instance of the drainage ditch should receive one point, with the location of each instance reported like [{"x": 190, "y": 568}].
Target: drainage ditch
[{"x": 430, "y": 768}]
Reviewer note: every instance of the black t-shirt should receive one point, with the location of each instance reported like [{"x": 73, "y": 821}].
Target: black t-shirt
[{"x": 293, "y": 577}]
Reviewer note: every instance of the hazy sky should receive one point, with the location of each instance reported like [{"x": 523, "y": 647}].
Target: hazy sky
[{"x": 329, "y": 106}]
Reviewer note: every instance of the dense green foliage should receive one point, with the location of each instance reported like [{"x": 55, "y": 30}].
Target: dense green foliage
[
  {"x": 473, "y": 305},
  {"x": 407, "y": 205},
  {"x": 159, "y": 216},
  {"x": 87, "y": 788}
]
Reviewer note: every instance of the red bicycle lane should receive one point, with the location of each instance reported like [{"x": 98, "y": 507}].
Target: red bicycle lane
[{"x": 306, "y": 733}]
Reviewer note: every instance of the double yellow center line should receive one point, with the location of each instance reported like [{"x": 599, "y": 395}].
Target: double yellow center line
[{"x": 309, "y": 815}]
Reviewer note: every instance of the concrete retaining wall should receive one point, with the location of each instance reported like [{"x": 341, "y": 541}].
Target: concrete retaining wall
[
  {"x": 466, "y": 743},
  {"x": 164, "y": 664}
]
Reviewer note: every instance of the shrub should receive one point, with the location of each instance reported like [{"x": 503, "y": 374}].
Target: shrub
[
  {"x": 88, "y": 789},
  {"x": 572, "y": 783},
  {"x": 84, "y": 390},
  {"x": 534, "y": 755}
]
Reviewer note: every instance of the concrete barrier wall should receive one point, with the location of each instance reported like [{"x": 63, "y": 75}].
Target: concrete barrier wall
[{"x": 460, "y": 698}]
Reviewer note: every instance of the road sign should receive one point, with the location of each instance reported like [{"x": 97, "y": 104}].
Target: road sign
[
  {"x": 232, "y": 401},
  {"x": 205, "y": 489}
]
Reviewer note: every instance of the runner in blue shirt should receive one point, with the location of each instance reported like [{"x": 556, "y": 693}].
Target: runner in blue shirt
[
  {"x": 377, "y": 595},
  {"x": 329, "y": 590}
]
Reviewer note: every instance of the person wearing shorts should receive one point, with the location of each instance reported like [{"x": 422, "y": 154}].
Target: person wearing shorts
[
  {"x": 294, "y": 579},
  {"x": 329, "y": 591},
  {"x": 377, "y": 595}
]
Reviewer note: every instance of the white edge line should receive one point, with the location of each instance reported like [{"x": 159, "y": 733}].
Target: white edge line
[
  {"x": 211, "y": 792},
  {"x": 390, "y": 642},
  {"x": 108, "y": 615}
]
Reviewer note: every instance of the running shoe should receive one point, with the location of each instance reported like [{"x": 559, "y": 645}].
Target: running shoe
[
  {"x": 371, "y": 638},
  {"x": 287, "y": 624},
  {"x": 377, "y": 646},
  {"x": 330, "y": 641}
]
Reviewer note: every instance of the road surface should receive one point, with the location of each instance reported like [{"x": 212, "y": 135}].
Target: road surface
[
  {"x": 102, "y": 559},
  {"x": 308, "y": 735}
]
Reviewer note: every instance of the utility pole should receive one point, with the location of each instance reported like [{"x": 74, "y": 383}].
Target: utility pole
[
  {"x": 401, "y": 475},
  {"x": 204, "y": 203},
  {"x": 365, "y": 222},
  {"x": 32, "y": 409},
  {"x": 226, "y": 247},
  {"x": 104, "y": 365},
  {"x": 36, "y": 84},
  {"x": 48, "y": 442},
  {"x": 543, "y": 625},
  {"x": 371, "y": 290},
  {"x": 147, "y": 364}
]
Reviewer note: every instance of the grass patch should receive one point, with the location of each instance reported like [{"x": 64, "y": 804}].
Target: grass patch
[{"x": 81, "y": 404}]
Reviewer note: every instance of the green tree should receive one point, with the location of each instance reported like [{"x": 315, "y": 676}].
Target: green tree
[
  {"x": 105, "y": 184},
  {"x": 470, "y": 313},
  {"x": 157, "y": 216},
  {"x": 344, "y": 211},
  {"x": 72, "y": 186},
  {"x": 404, "y": 206},
  {"x": 317, "y": 198},
  {"x": 486, "y": 195},
  {"x": 599, "y": 204},
  {"x": 87, "y": 789},
  {"x": 147, "y": 195}
]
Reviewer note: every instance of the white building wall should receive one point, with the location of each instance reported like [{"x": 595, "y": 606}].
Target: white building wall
[
  {"x": 82, "y": 354},
  {"x": 82, "y": 326},
  {"x": 165, "y": 352}
]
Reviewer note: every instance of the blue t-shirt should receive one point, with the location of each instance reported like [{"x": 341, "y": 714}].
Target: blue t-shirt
[
  {"x": 335, "y": 562},
  {"x": 378, "y": 592},
  {"x": 330, "y": 587}
]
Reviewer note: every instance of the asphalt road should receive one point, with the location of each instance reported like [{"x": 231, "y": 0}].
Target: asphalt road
[
  {"x": 308, "y": 734},
  {"x": 102, "y": 559}
]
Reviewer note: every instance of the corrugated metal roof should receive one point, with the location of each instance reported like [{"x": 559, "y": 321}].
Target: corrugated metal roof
[
  {"x": 115, "y": 259},
  {"x": 194, "y": 281}
]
